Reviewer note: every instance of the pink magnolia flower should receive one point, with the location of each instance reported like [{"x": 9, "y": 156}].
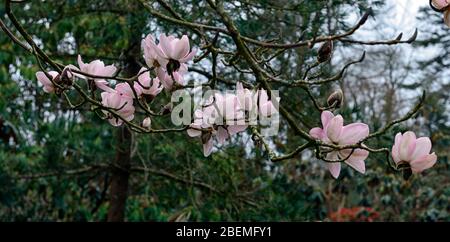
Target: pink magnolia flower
[
  {"x": 122, "y": 104},
  {"x": 221, "y": 118},
  {"x": 147, "y": 86},
  {"x": 176, "y": 49},
  {"x": 413, "y": 151},
  {"x": 125, "y": 90},
  {"x": 230, "y": 115},
  {"x": 440, "y": 4},
  {"x": 45, "y": 81},
  {"x": 96, "y": 68},
  {"x": 335, "y": 132}
]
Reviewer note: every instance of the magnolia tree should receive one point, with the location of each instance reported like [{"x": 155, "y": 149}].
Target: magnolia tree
[{"x": 212, "y": 115}]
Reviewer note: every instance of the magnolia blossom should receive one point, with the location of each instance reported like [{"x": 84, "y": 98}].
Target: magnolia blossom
[
  {"x": 248, "y": 101},
  {"x": 96, "y": 68},
  {"x": 172, "y": 48},
  {"x": 121, "y": 104},
  {"x": 168, "y": 57},
  {"x": 413, "y": 151},
  {"x": 334, "y": 132},
  {"x": 221, "y": 118},
  {"x": 147, "y": 85},
  {"x": 125, "y": 90},
  {"x": 45, "y": 81}
]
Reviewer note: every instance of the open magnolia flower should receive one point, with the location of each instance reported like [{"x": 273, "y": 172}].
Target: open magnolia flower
[
  {"x": 414, "y": 151},
  {"x": 334, "y": 132},
  {"x": 168, "y": 57},
  {"x": 122, "y": 104},
  {"x": 147, "y": 85},
  {"x": 45, "y": 81},
  {"x": 95, "y": 68},
  {"x": 174, "y": 51},
  {"x": 221, "y": 118}
]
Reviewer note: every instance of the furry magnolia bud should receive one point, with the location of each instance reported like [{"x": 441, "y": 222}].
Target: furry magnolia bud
[
  {"x": 147, "y": 122},
  {"x": 336, "y": 99},
  {"x": 325, "y": 52}
]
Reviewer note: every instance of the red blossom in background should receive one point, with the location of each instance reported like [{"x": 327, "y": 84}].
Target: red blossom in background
[{"x": 354, "y": 214}]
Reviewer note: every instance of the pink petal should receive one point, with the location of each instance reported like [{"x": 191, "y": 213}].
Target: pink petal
[
  {"x": 353, "y": 133},
  {"x": 181, "y": 48},
  {"x": 423, "y": 147},
  {"x": 53, "y": 74},
  {"x": 334, "y": 128},
  {"x": 423, "y": 163},
  {"x": 108, "y": 71},
  {"x": 395, "y": 154},
  {"x": 356, "y": 160},
  {"x": 166, "y": 45},
  {"x": 189, "y": 56},
  {"x": 395, "y": 148},
  {"x": 222, "y": 135},
  {"x": 81, "y": 63},
  {"x": 42, "y": 78},
  {"x": 194, "y": 132},
  {"x": 326, "y": 117},
  {"x": 317, "y": 133},
  {"x": 407, "y": 146},
  {"x": 234, "y": 129},
  {"x": 333, "y": 167},
  {"x": 207, "y": 147}
]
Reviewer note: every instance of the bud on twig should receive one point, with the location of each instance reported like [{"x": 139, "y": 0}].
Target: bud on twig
[
  {"x": 166, "y": 109},
  {"x": 336, "y": 99},
  {"x": 147, "y": 122},
  {"x": 325, "y": 52}
]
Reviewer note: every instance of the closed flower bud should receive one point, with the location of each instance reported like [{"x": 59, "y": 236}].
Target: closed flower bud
[
  {"x": 147, "y": 122},
  {"x": 336, "y": 99},
  {"x": 167, "y": 109},
  {"x": 325, "y": 52}
]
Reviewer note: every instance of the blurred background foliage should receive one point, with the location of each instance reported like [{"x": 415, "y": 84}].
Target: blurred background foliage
[{"x": 44, "y": 145}]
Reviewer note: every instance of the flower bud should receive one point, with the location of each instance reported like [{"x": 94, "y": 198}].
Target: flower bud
[
  {"x": 147, "y": 122},
  {"x": 167, "y": 109},
  {"x": 325, "y": 52},
  {"x": 336, "y": 99}
]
